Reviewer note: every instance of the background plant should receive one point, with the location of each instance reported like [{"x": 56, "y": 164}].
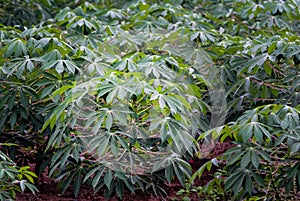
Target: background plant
[{"x": 14, "y": 179}]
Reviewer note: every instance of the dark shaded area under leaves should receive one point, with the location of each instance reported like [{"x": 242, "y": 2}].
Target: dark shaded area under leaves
[{"x": 48, "y": 190}]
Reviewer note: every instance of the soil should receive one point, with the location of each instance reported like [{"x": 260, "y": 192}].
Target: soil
[{"x": 48, "y": 190}]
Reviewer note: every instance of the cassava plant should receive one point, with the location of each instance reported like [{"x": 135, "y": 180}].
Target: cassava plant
[{"x": 98, "y": 90}]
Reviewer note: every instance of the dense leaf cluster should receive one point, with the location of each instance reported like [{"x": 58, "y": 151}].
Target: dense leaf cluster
[{"x": 99, "y": 90}]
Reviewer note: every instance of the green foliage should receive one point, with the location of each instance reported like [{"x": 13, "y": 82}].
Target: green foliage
[
  {"x": 264, "y": 163},
  {"x": 14, "y": 179},
  {"x": 85, "y": 83},
  {"x": 212, "y": 190},
  {"x": 265, "y": 160}
]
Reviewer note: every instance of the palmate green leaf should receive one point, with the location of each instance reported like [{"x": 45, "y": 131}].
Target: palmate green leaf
[
  {"x": 64, "y": 156},
  {"x": 255, "y": 129},
  {"x": 22, "y": 185},
  {"x": 169, "y": 173},
  {"x": 175, "y": 134},
  {"x": 273, "y": 119},
  {"x": 97, "y": 177},
  {"x": 31, "y": 91},
  {"x": 29, "y": 176},
  {"x": 71, "y": 66},
  {"x": 179, "y": 174},
  {"x": 13, "y": 119},
  {"x": 184, "y": 166},
  {"x": 233, "y": 150},
  {"x": 259, "y": 180},
  {"x": 111, "y": 95},
  {"x": 48, "y": 90},
  {"x": 280, "y": 140},
  {"x": 248, "y": 184},
  {"x": 290, "y": 121},
  {"x": 16, "y": 48},
  {"x": 53, "y": 55},
  {"x": 108, "y": 178},
  {"x": 49, "y": 64},
  {"x": 104, "y": 89},
  {"x": 59, "y": 113},
  {"x": 98, "y": 119},
  {"x": 31, "y": 187},
  {"x": 11, "y": 173},
  {"x": 238, "y": 185},
  {"x": 233, "y": 179},
  {"x": 61, "y": 66},
  {"x": 97, "y": 66},
  {"x": 246, "y": 159},
  {"x": 57, "y": 155},
  {"x": 265, "y": 92},
  {"x": 114, "y": 147},
  {"x": 62, "y": 90},
  {"x": 66, "y": 183},
  {"x": 200, "y": 171},
  {"x": 127, "y": 63},
  {"x": 246, "y": 132},
  {"x": 272, "y": 47},
  {"x": 256, "y": 61},
  {"x": 18, "y": 66},
  {"x": 4, "y": 97},
  {"x": 11, "y": 102},
  {"x": 254, "y": 159},
  {"x": 55, "y": 138},
  {"x": 109, "y": 120},
  {"x": 99, "y": 144},
  {"x": 236, "y": 156},
  {"x": 120, "y": 190},
  {"x": 204, "y": 36},
  {"x": 264, "y": 155},
  {"x": 158, "y": 69},
  {"x": 155, "y": 124},
  {"x": 77, "y": 182},
  {"x": 162, "y": 102},
  {"x": 89, "y": 174},
  {"x": 23, "y": 99},
  {"x": 174, "y": 104},
  {"x": 163, "y": 132},
  {"x": 295, "y": 148},
  {"x": 111, "y": 116},
  {"x": 125, "y": 180},
  {"x": 258, "y": 133},
  {"x": 124, "y": 142}
]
